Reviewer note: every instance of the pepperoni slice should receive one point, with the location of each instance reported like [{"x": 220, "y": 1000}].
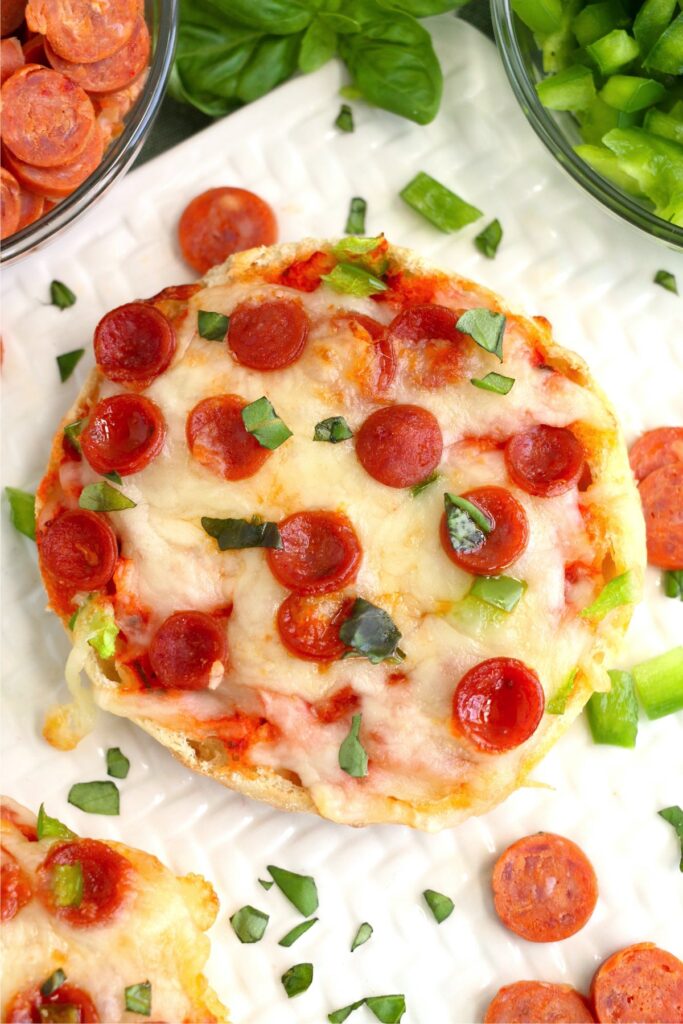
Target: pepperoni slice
[
  {"x": 185, "y": 649},
  {"x": 68, "y": 1003},
  {"x": 217, "y": 438},
  {"x": 11, "y": 57},
  {"x": 336, "y": 707},
  {"x": 34, "y": 50},
  {"x": 112, "y": 73},
  {"x": 305, "y": 275},
  {"x": 440, "y": 346},
  {"x": 641, "y": 984},
  {"x": 83, "y": 31},
  {"x": 10, "y": 203},
  {"x": 498, "y": 704},
  {"x": 57, "y": 182},
  {"x": 399, "y": 445},
  {"x": 268, "y": 335},
  {"x": 47, "y": 119},
  {"x": 309, "y": 626},
  {"x": 107, "y": 880},
  {"x": 15, "y": 886},
  {"x": 11, "y": 16},
  {"x": 654, "y": 449},
  {"x": 545, "y": 461},
  {"x": 661, "y": 494},
  {"x": 31, "y": 209},
  {"x": 124, "y": 433},
  {"x": 544, "y": 888},
  {"x": 507, "y": 539},
  {"x": 538, "y": 1002},
  {"x": 320, "y": 553},
  {"x": 221, "y": 222},
  {"x": 134, "y": 344},
  {"x": 386, "y": 356},
  {"x": 79, "y": 549}
]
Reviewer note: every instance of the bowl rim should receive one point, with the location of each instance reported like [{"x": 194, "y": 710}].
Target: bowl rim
[
  {"x": 551, "y": 134},
  {"x": 120, "y": 153}
]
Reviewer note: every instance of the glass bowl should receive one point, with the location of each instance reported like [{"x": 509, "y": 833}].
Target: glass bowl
[
  {"x": 162, "y": 18},
  {"x": 559, "y": 131}
]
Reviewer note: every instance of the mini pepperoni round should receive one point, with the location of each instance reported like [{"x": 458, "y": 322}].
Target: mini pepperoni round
[
  {"x": 320, "y": 553},
  {"x": 112, "y": 73},
  {"x": 544, "y": 888},
  {"x": 79, "y": 549},
  {"x": 185, "y": 649},
  {"x": 661, "y": 494},
  {"x": 47, "y": 119},
  {"x": 217, "y": 437},
  {"x": 386, "y": 356},
  {"x": 498, "y": 704},
  {"x": 11, "y": 16},
  {"x": 441, "y": 361},
  {"x": 268, "y": 335},
  {"x": 83, "y": 31},
  {"x": 57, "y": 182},
  {"x": 545, "y": 461},
  {"x": 641, "y": 984},
  {"x": 68, "y": 1003},
  {"x": 506, "y": 541},
  {"x": 34, "y": 50},
  {"x": 11, "y": 57},
  {"x": 654, "y": 449},
  {"x": 223, "y": 221},
  {"x": 538, "y": 1002},
  {"x": 399, "y": 445},
  {"x": 107, "y": 881},
  {"x": 123, "y": 434},
  {"x": 10, "y": 203},
  {"x": 15, "y": 886},
  {"x": 134, "y": 344},
  {"x": 309, "y": 626},
  {"x": 32, "y": 207},
  {"x": 426, "y": 322}
]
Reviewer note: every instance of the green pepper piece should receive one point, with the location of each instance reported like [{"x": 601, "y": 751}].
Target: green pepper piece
[
  {"x": 664, "y": 125},
  {"x": 607, "y": 164},
  {"x": 596, "y": 20},
  {"x": 631, "y": 93},
  {"x": 557, "y": 46},
  {"x": 651, "y": 20},
  {"x": 613, "y": 716},
  {"x": 666, "y": 55},
  {"x": 655, "y": 163},
  {"x": 571, "y": 89},
  {"x": 540, "y": 15},
  {"x": 598, "y": 118},
  {"x": 613, "y": 52}
]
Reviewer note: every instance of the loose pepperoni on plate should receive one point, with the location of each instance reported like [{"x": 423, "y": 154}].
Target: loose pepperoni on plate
[
  {"x": 654, "y": 449},
  {"x": 112, "y": 73},
  {"x": 223, "y": 221},
  {"x": 134, "y": 344},
  {"x": 185, "y": 649},
  {"x": 400, "y": 445},
  {"x": 32, "y": 207},
  {"x": 544, "y": 888},
  {"x": 11, "y": 57},
  {"x": 79, "y": 549},
  {"x": 83, "y": 31},
  {"x": 47, "y": 119},
  {"x": 538, "y": 1002},
  {"x": 107, "y": 880},
  {"x": 320, "y": 553},
  {"x": 661, "y": 494},
  {"x": 498, "y": 704},
  {"x": 57, "y": 182},
  {"x": 68, "y": 1003},
  {"x": 309, "y": 626},
  {"x": 123, "y": 434},
  {"x": 268, "y": 335},
  {"x": 386, "y": 356},
  {"x": 10, "y": 203},
  {"x": 217, "y": 437},
  {"x": 641, "y": 984},
  {"x": 15, "y": 886},
  {"x": 506, "y": 541},
  {"x": 544, "y": 460}
]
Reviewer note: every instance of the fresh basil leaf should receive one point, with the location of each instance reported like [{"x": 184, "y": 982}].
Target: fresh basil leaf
[
  {"x": 674, "y": 816},
  {"x": 666, "y": 280},
  {"x": 300, "y": 890},
  {"x": 557, "y": 705},
  {"x": 54, "y": 982},
  {"x": 265, "y": 884},
  {"x": 387, "y": 1009},
  {"x": 95, "y": 797},
  {"x": 339, "y": 22},
  {"x": 355, "y": 222},
  {"x": 362, "y": 935},
  {"x": 297, "y": 979},
  {"x": 441, "y": 906},
  {"x": 350, "y": 279},
  {"x": 353, "y": 246},
  {"x": 118, "y": 764},
  {"x": 273, "y": 61},
  {"x": 51, "y": 828},
  {"x": 466, "y": 525},
  {"x": 290, "y": 938},
  {"x": 279, "y": 16},
  {"x": 22, "y": 511},
  {"x": 437, "y": 204},
  {"x": 339, "y": 1016},
  {"x": 319, "y": 44},
  {"x": 103, "y": 497},
  {"x": 672, "y": 581},
  {"x": 495, "y": 382},
  {"x": 423, "y": 8},
  {"x": 334, "y": 429},
  {"x": 68, "y": 361},
  {"x": 102, "y": 633},
  {"x": 370, "y": 632},
  {"x": 139, "y": 998},
  {"x": 233, "y": 534},
  {"x": 261, "y": 420},
  {"x": 353, "y": 758},
  {"x": 61, "y": 296},
  {"x": 350, "y": 92},
  {"x": 488, "y": 240},
  {"x": 114, "y": 477},
  {"x": 417, "y": 489},
  {"x": 67, "y": 884},
  {"x": 72, "y": 432},
  {"x": 212, "y": 326},
  {"x": 619, "y": 591},
  {"x": 249, "y": 924},
  {"x": 344, "y": 119},
  {"x": 485, "y": 328},
  {"x": 502, "y": 592}
]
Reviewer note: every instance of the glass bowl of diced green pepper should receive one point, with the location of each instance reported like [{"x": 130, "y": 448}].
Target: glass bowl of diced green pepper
[{"x": 602, "y": 84}]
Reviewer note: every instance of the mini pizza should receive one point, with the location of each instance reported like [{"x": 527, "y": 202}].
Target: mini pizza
[
  {"x": 96, "y": 931},
  {"x": 341, "y": 531}
]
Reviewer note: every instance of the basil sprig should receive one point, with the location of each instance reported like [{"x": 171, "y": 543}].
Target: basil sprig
[
  {"x": 51, "y": 828},
  {"x": 355, "y": 222},
  {"x": 666, "y": 280},
  {"x": 22, "y": 511},
  {"x": 674, "y": 816},
  {"x": 61, "y": 296},
  {"x": 353, "y": 758},
  {"x": 261, "y": 420},
  {"x": 249, "y": 924},
  {"x": 95, "y": 797},
  {"x": 54, "y": 982},
  {"x": 118, "y": 764},
  {"x": 362, "y": 935},
  {"x": 300, "y": 929},
  {"x": 68, "y": 361},
  {"x": 495, "y": 382},
  {"x": 212, "y": 326},
  {"x": 334, "y": 429},
  {"x": 297, "y": 979},
  {"x": 488, "y": 240},
  {"x": 466, "y": 525},
  {"x": 102, "y": 497},
  {"x": 300, "y": 890},
  {"x": 485, "y": 328},
  {"x": 138, "y": 998},
  {"x": 344, "y": 120},
  {"x": 67, "y": 884},
  {"x": 370, "y": 632},
  {"x": 233, "y": 534},
  {"x": 441, "y": 906}
]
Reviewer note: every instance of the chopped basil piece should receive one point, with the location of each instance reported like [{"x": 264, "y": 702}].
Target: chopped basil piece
[
  {"x": 261, "y": 420},
  {"x": 72, "y": 432},
  {"x": 356, "y": 245},
  {"x": 118, "y": 764},
  {"x": 60, "y": 1013},
  {"x": 619, "y": 591},
  {"x": 300, "y": 890},
  {"x": 67, "y": 884},
  {"x": 613, "y": 716},
  {"x": 370, "y": 632},
  {"x": 339, "y": 1016},
  {"x": 114, "y": 477},
  {"x": 334, "y": 429},
  {"x": 417, "y": 489},
  {"x": 674, "y": 816},
  {"x": 488, "y": 240},
  {"x": 102, "y": 632},
  {"x": 233, "y": 534},
  {"x": 353, "y": 758},
  {"x": 443, "y": 208},
  {"x": 495, "y": 382},
  {"x": 51, "y": 984},
  {"x": 502, "y": 592},
  {"x": 51, "y": 828},
  {"x": 22, "y": 511},
  {"x": 362, "y": 935},
  {"x": 297, "y": 979},
  {"x": 95, "y": 797},
  {"x": 666, "y": 280},
  {"x": 290, "y": 938},
  {"x": 103, "y": 497},
  {"x": 466, "y": 524},
  {"x": 68, "y": 361},
  {"x": 249, "y": 924},
  {"x": 557, "y": 705},
  {"x": 387, "y": 1009},
  {"x": 672, "y": 580},
  {"x": 352, "y": 280},
  {"x": 344, "y": 119},
  {"x": 355, "y": 222},
  {"x": 212, "y": 326},
  {"x": 61, "y": 296},
  {"x": 441, "y": 906},
  {"x": 485, "y": 328},
  {"x": 139, "y": 998},
  {"x": 265, "y": 884}
]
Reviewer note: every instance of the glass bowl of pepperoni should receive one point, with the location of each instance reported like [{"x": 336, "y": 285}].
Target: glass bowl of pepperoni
[{"x": 81, "y": 85}]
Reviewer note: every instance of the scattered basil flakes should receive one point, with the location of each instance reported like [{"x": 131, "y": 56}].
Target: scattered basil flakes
[
  {"x": 118, "y": 764},
  {"x": 102, "y": 497},
  {"x": 344, "y": 120},
  {"x": 495, "y": 382},
  {"x": 417, "y": 489},
  {"x": 502, "y": 592},
  {"x": 297, "y": 979},
  {"x": 249, "y": 924},
  {"x": 60, "y": 1013},
  {"x": 265, "y": 884},
  {"x": 334, "y": 429},
  {"x": 51, "y": 984},
  {"x": 102, "y": 632},
  {"x": 437, "y": 204},
  {"x": 557, "y": 705},
  {"x": 72, "y": 432},
  {"x": 51, "y": 828},
  {"x": 674, "y": 816},
  {"x": 355, "y": 222},
  {"x": 371, "y": 633},
  {"x": 339, "y": 1016},
  {"x": 485, "y": 328},
  {"x": 95, "y": 797},
  {"x": 488, "y": 240},
  {"x": 234, "y": 534},
  {"x": 263, "y": 423},
  {"x": 621, "y": 590},
  {"x": 212, "y": 326},
  {"x": 67, "y": 363},
  {"x": 441, "y": 906},
  {"x": 139, "y": 998},
  {"x": 387, "y": 1009},
  {"x": 353, "y": 758},
  {"x": 290, "y": 938},
  {"x": 22, "y": 511},
  {"x": 67, "y": 884},
  {"x": 300, "y": 890},
  {"x": 353, "y": 280},
  {"x": 666, "y": 280},
  {"x": 672, "y": 581},
  {"x": 362, "y": 935},
  {"x": 466, "y": 525},
  {"x": 61, "y": 296},
  {"x": 114, "y": 477}
]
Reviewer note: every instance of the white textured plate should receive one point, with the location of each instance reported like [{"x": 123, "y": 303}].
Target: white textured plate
[{"x": 561, "y": 256}]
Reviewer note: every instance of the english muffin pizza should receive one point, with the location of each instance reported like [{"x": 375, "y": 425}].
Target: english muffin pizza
[{"x": 341, "y": 531}]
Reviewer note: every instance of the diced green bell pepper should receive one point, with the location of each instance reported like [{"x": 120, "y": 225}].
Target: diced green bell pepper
[
  {"x": 597, "y": 20},
  {"x": 571, "y": 89},
  {"x": 613, "y": 716},
  {"x": 664, "y": 125},
  {"x": 651, "y": 20},
  {"x": 540, "y": 15},
  {"x": 613, "y": 52},
  {"x": 666, "y": 55},
  {"x": 655, "y": 163},
  {"x": 598, "y": 118},
  {"x": 607, "y": 164},
  {"x": 558, "y": 46},
  {"x": 631, "y": 93}
]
